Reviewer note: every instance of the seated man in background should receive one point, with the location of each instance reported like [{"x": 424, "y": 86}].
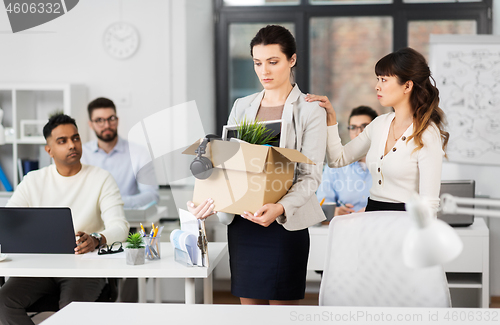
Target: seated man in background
[
  {"x": 349, "y": 187},
  {"x": 98, "y": 217},
  {"x": 112, "y": 153}
]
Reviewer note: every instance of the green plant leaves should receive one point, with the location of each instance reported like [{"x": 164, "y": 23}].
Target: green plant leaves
[
  {"x": 135, "y": 241},
  {"x": 254, "y": 132}
]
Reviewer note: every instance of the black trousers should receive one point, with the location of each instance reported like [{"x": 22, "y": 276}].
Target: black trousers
[
  {"x": 384, "y": 206},
  {"x": 17, "y": 294}
]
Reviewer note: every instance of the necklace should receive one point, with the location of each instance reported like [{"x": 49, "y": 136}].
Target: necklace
[{"x": 394, "y": 133}]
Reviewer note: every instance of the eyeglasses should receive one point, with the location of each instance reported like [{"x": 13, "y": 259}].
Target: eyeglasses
[
  {"x": 113, "y": 119},
  {"x": 355, "y": 127},
  {"x": 116, "y": 247}
]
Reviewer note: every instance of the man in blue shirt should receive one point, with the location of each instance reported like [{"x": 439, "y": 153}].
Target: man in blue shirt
[
  {"x": 113, "y": 153},
  {"x": 349, "y": 187}
]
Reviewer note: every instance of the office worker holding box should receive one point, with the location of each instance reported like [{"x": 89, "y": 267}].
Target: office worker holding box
[
  {"x": 97, "y": 209},
  {"x": 269, "y": 248},
  {"x": 404, "y": 150}
]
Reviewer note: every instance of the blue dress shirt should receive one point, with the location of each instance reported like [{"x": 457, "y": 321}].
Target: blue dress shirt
[
  {"x": 349, "y": 184},
  {"x": 119, "y": 163}
]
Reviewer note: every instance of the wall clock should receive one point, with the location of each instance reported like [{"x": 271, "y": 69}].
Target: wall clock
[{"x": 121, "y": 40}]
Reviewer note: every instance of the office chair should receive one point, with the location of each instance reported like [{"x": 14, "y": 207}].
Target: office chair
[
  {"x": 364, "y": 265},
  {"x": 109, "y": 293}
]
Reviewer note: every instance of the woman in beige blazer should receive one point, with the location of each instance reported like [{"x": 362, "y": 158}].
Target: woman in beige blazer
[{"x": 269, "y": 247}]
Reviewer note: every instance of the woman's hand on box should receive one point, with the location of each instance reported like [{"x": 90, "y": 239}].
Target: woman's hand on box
[
  {"x": 202, "y": 211},
  {"x": 265, "y": 215}
]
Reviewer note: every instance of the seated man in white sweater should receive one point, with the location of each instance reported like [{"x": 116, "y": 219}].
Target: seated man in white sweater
[{"x": 97, "y": 208}]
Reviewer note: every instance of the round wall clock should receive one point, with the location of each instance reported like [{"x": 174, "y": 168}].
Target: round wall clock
[{"x": 121, "y": 40}]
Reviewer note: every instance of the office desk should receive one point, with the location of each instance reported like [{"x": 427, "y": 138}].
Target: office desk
[
  {"x": 84, "y": 313},
  {"x": 470, "y": 270},
  {"x": 75, "y": 266}
]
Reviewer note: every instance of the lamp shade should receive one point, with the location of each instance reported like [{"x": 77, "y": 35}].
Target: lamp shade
[{"x": 432, "y": 241}]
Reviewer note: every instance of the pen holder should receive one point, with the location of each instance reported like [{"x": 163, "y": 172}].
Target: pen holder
[{"x": 152, "y": 247}]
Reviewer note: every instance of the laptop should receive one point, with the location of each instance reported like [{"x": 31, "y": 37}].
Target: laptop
[
  {"x": 37, "y": 230},
  {"x": 464, "y": 188}
]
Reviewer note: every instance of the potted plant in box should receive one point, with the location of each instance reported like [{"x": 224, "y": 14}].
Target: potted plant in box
[
  {"x": 255, "y": 132},
  {"x": 135, "y": 251}
]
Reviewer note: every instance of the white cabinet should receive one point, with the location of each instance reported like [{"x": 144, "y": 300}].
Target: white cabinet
[
  {"x": 467, "y": 274},
  {"x": 471, "y": 269},
  {"x": 24, "y": 105}
]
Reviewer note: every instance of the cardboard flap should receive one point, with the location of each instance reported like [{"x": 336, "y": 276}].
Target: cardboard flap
[
  {"x": 294, "y": 155},
  {"x": 191, "y": 149},
  {"x": 239, "y": 156}
]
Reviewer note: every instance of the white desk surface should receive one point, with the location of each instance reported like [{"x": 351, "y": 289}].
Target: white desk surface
[
  {"x": 68, "y": 265},
  {"x": 85, "y": 313}
]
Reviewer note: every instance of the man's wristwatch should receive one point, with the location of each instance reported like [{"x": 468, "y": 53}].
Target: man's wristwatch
[{"x": 98, "y": 237}]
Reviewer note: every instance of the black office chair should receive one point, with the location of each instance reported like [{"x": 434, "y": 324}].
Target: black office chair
[{"x": 51, "y": 303}]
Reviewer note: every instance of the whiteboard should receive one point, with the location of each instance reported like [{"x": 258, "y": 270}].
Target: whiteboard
[{"x": 467, "y": 73}]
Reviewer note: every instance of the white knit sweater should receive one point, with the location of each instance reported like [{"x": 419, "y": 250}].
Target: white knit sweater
[{"x": 91, "y": 194}]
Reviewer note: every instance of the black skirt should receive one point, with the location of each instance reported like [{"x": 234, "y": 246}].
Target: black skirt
[
  {"x": 267, "y": 262},
  {"x": 384, "y": 206}
]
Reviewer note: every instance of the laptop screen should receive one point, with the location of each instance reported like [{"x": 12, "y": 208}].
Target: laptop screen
[
  {"x": 37, "y": 230},
  {"x": 460, "y": 189}
]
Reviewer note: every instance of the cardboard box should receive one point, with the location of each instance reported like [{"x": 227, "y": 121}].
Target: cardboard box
[{"x": 246, "y": 176}]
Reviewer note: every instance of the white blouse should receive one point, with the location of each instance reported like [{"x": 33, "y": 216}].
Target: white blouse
[{"x": 399, "y": 173}]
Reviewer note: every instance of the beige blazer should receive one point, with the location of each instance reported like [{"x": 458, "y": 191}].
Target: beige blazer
[{"x": 306, "y": 132}]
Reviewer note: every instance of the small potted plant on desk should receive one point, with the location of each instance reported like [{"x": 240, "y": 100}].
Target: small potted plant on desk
[{"x": 135, "y": 251}]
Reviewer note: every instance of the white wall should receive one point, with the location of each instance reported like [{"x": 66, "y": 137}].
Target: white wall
[{"x": 174, "y": 63}]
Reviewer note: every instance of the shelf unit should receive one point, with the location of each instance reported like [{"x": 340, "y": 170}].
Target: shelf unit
[{"x": 36, "y": 102}]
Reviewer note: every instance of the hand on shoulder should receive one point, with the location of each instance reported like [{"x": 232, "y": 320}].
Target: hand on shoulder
[{"x": 331, "y": 117}]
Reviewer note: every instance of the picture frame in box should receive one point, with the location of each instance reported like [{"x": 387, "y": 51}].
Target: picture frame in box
[
  {"x": 278, "y": 127},
  {"x": 32, "y": 130}
]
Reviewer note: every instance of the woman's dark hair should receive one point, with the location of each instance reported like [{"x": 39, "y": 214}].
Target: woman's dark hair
[
  {"x": 274, "y": 34},
  {"x": 408, "y": 65},
  {"x": 363, "y": 110},
  {"x": 55, "y": 121}
]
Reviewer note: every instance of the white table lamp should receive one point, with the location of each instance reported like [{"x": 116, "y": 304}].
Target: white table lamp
[
  {"x": 450, "y": 204},
  {"x": 432, "y": 241}
]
